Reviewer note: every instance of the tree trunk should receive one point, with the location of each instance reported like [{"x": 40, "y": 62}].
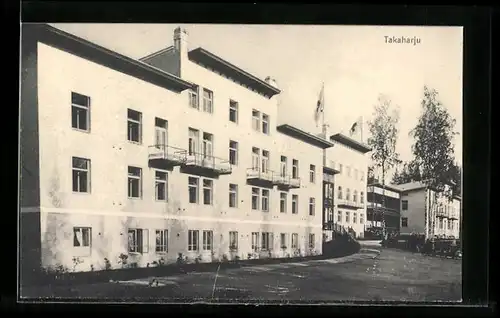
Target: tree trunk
[{"x": 384, "y": 230}]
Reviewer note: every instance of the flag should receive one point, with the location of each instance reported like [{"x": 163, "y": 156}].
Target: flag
[
  {"x": 356, "y": 126},
  {"x": 320, "y": 104}
]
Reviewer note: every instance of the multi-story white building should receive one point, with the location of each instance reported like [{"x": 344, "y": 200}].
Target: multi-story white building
[
  {"x": 428, "y": 212},
  {"x": 349, "y": 162},
  {"x": 178, "y": 154}
]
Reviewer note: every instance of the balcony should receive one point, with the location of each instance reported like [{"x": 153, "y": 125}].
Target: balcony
[
  {"x": 329, "y": 168},
  {"x": 259, "y": 177},
  {"x": 208, "y": 166},
  {"x": 286, "y": 182},
  {"x": 349, "y": 204},
  {"x": 166, "y": 157}
]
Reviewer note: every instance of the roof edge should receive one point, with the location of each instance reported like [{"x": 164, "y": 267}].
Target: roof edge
[
  {"x": 300, "y": 134},
  {"x": 347, "y": 141}
]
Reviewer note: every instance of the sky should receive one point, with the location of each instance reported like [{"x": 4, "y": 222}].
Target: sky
[{"x": 355, "y": 63}]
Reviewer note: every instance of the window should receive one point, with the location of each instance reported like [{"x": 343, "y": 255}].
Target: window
[
  {"x": 404, "y": 222},
  {"x": 265, "y": 161},
  {"x": 283, "y": 202},
  {"x": 339, "y": 217},
  {"x": 134, "y": 126},
  {"x": 312, "y": 240},
  {"x": 295, "y": 169},
  {"x": 354, "y": 217},
  {"x": 138, "y": 241},
  {"x": 193, "y": 240},
  {"x": 81, "y": 174},
  {"x": 208, "y": 101},
  {"x": 233, "y": 111},
  {"x": 405, "y": 205},
  {"x": 255, "y": 120},
  {"x": 161, "y": 241},
  {"x": 339, "y": 193},
  {"x": 312, "y": 173},
  {"x": 208, "y": 147},
  {"x": 161, "y": 186},
  {"x": 233, "y": 195},
  {"x": 233, "y": 241},
  {"x": 361, "y": 218},
  {"x": 255, "y": 158},
  {"x": 267, "y": 241},
  {"x": 207, "y": 191},
  {"x": 255, "y": 241},
  {"x": 134, "y": 182},
  {"x": 80, "y": 111},
  {"x": 362, "y": 197},
  {"x": 347, "y": 217},
  {"x": 208, "y": 240},
  {"x": 193, "y": 97},
  {"x": 193, "y": 184},
  {"x": 295, "y": 204},
  {"x": 233, "y": 152},
  {"x": 194, "y": 141},
  {"x": 355, "y": 196},
  {"x": 283, "y": 240},
  {"x": 82, "y": 240},
  {"x": 265, "y": 200},
  {"x": 161, "y": 137},
  {"x": 283, "y": 168},
  {"x": 255, "y": 198},
  {"x": 312, "y": 205},
  {"x": 295, "y": 240},
  {"x": 440, "y": 224},
  {"x": 265, "y": 124},
  {"x": 348, "y": 194}
]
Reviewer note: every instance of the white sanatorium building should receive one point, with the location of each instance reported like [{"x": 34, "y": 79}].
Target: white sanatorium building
[
  {"x": 428, "y": 212},
  {"x": 178, "y": 153}
]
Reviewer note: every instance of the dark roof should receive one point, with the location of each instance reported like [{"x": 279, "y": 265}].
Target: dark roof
[
  {"x": 206, "y": 58},
  {"x": 100, "y": 55},
  {"x": 343, "y": 139},
  {"x": 387, "y": 186},
  {"x": 147, "y": 57},
  {"x": 304, "y": 136}
]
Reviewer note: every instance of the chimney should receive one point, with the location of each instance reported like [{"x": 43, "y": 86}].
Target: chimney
[
  {"x": 271, "y": 81},
  {"x": 180, "y": 45}
]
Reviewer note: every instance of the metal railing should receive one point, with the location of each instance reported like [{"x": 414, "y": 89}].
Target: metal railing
[
  {"x": 208, "y": 162},
  {"x": 166, "y": 152},
  {"x": 286, "y": 180},
  {"x": 350, "y": 203},
  {"x": 257, "y": 173}
]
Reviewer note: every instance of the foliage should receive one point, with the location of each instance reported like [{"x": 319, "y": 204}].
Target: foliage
[
  {"x": 409, "y": 173},
  {"x": 122, "y": 259},
  {"x": 371, "y": 175},
  {"x": 76, "y": 261},
  {"x": 433, "y": 149},
  {"x": 107, "y": 264},
  {"x": 384, "y": 134}
]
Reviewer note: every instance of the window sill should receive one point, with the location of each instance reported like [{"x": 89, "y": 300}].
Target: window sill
[
  {"x": 162, "y": 253},
  {"x": 135, "y": 198},
  {"x": 81, "y": 193},
  {"x": 137, "y": 143},
  {"x": 81, "y": 130},
  {"x": 161, "y": 201}
]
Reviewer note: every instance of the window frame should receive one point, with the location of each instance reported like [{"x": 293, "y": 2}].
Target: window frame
[
  {"x": 233, "y": 109},
  {"x": 85, "y": 108},
  {"x": 194, "y": 92},
  {"x": 312, "y": 173},
  {"x": 141, "y": 241},
  {"x": 295, "y": 241},
  {"x": 233, "y": 235},
  {"x": 295, "y": 199},
  {"x": 208, "y": 240},
  {"x": 404, "y": 221},
  {"x": 312, "y": 206},
  {"x": 283, "y": 201},
  {"x": 82, "y": 250},
  {"x": 78, "y": 170},
  {"x": 161, "y": 181},
  {"x": 256, "y": 196},
  {"x": 193, "y": 240},
  {"x": 233, "y": 149},
  {"x": 196, "y": 191},
  {"x": 139, "y": 180},
  {"x": 138, "y": 123},
  {"x": 233, "y": 191},
  {"x": 163, "y": 246},
  {"x": 208, "y": 185},
  {"x": 208, "y": 102}
]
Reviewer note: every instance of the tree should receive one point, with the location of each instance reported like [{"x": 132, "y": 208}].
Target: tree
[
  {"x": 371, "y": 175},
  {"x": 409, "y": 173},
  {"x": 384, "y": 134},
  {"x": 433, "y": 148}
]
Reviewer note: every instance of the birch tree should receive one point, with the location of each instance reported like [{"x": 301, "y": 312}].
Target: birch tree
[
  {"x": 433, "y": 148},
  {"x": 383, "y": 137}
]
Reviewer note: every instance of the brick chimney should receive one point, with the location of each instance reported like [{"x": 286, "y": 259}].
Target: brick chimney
[{"x": 181, "y": 47}]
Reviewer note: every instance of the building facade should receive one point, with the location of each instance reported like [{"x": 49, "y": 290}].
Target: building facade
[
  {"x": 128, "y": 163},
  {"x": 347, "y": 165},
  {"x": 429, "y": 212},
  {"x": 383, "y": 203}
]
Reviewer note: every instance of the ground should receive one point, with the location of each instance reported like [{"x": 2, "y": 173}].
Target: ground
[{"x": 393, "y": 275}]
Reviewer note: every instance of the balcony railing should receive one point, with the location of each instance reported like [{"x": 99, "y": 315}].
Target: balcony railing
[
  {"x": 165, "y": 154},
  {"x": 202, "y": 163},
  {"x": 285, "y": 181},
  {"x": 349, "y": 203}
]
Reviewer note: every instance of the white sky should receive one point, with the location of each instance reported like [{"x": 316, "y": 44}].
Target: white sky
[{"x": 354, "y": 62}]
